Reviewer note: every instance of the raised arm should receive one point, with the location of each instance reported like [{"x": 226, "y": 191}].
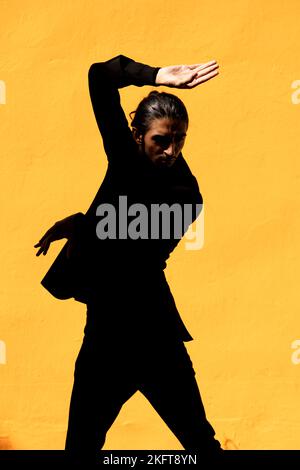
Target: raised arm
[{"x": 104, "y": 80}]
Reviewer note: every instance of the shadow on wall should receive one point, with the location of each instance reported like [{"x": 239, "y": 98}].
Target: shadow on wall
[
  {"x": 5, "y": 443},
  {"x": 229, "y": 444}
]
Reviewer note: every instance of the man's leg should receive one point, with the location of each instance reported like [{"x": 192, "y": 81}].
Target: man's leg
[
  {"x": 169, "y": 383},
  {"x": 101, "y": 386}
]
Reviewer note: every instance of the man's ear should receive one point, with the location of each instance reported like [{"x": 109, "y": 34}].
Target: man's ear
[{"x": 137, "y": 137}]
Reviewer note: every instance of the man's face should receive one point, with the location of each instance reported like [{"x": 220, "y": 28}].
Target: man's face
[{"x": 163, "y": 141}]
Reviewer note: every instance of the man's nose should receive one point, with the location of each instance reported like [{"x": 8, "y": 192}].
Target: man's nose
[{"x": 170, "y": 151}]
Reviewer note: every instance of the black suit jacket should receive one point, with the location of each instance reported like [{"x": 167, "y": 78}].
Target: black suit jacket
[{"x": 125, "y": 277}]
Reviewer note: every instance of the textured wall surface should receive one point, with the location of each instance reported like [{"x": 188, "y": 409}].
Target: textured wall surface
[{"x": 239, "y": 294}]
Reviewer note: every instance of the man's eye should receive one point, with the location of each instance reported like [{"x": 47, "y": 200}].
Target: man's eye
[
  {"x": 165, "y": 141},
  {"x": 161, "y": 140}
]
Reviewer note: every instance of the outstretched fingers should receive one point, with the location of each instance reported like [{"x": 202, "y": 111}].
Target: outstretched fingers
[
  {"x": 203, "y": 65},
  {"x": 44, "y": 244},
  {"x": 203, "y": 75}
]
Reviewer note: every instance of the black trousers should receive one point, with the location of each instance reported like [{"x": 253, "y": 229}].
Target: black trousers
[{"x": 109, "y": 372}]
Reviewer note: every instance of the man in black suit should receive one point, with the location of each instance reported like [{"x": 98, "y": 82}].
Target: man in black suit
[{"x": 134, "y": 336}]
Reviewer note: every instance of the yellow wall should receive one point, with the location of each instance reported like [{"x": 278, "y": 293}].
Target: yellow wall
[{"x": 239, "y": 294}]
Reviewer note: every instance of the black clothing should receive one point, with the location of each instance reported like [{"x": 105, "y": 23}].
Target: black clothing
[
  {"x": 134, "y": 334},
  {"x": 107, "y": 375},
  {"x": 133, "y": 268}
]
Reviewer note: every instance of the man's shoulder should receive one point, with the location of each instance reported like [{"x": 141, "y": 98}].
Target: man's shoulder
[{"x": 181, "y": 168}]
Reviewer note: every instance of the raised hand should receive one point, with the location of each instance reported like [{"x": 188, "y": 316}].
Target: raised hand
[{"x": 186, "y": 76}]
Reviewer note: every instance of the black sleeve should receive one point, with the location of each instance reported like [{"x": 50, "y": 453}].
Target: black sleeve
[{"x": 104, "y": 80}]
